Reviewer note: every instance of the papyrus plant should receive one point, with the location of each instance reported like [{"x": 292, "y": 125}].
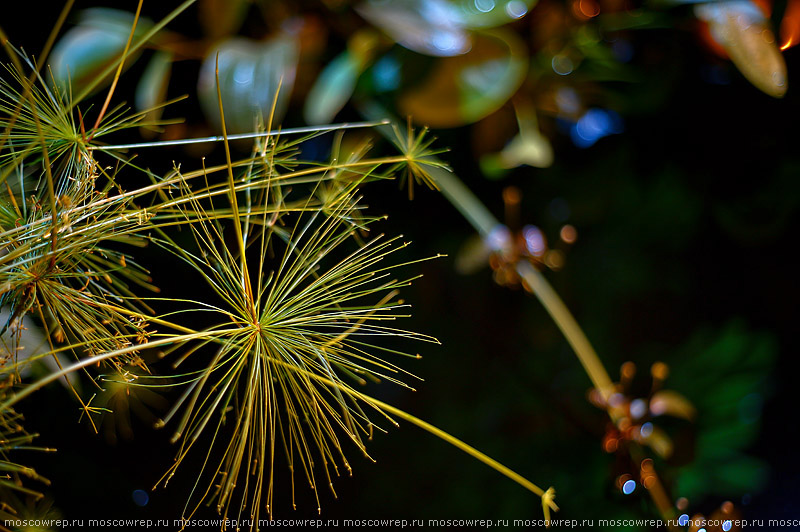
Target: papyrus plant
[{"x": 299, "y": 306}]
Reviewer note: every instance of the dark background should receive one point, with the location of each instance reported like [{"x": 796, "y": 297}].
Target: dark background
[{"x": 686, "y": 224}]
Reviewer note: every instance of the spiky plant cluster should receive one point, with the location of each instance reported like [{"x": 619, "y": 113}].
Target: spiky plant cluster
[
  {"x": 58, "y": 211},
  {"x": 66, "y": 274},
  {"x": 14, "y": 438},
  {"x": 294, "y": 336},
  {"x": 56, "y": 224},
  {"x": 300, "y": 293},
  {"x": 418, "y": 159},
  {"x": 304, "y": 334}
]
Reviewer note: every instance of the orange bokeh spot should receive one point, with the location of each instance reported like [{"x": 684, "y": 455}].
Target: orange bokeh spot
[
  {"x": 790, "y": 25},
  {"x": 585, "y": 9},
  {"x": 611, "y": 445}
]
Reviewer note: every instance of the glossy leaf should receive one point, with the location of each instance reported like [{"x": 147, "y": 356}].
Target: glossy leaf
[
  {"x": 249, "y": 75},
  {"x": 333, "y": 88},
  {"x": 335, "y": 84},
  {"x": 151, "y": 91},
  {"x": 96, "y": 42},
  {"x": 740, "y": 27},
  {"x": 431, "y": 27},
  {"x": 463, "y": 89}
]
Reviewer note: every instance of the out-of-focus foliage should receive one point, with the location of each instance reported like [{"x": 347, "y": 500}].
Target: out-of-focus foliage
[
  {"x": 730, "y": 384},
  {"x": 445, "y": 63},
  {"x": 250, "y": 76},
  {"x": 92, "y": 45}
]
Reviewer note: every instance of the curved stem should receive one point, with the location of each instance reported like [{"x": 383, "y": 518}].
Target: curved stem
[
  {"x": 472, "y": 451},
  {"x": 385, "y": 409},
  {"x": 569, "y": 327},
  {"x": 485, "y": 223},
  {"x": 119, "y": 71}
]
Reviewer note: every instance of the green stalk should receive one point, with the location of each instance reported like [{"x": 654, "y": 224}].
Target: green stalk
[
  {"x": 383, "y": 408},
  {"x": 464, "y": 200},
  {"x": 452, "y": 440},
  {"x": 566, "y": 322},
  {"x": 485, "y": 223}
]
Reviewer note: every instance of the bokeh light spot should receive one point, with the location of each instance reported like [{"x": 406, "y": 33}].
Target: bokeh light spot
[
  {"x": 562, "y": 65},
  {"x": 516, "y": 9},
  {"x": 568, "y": 234},
  {"x": 638, "y": 408},
  {"x": 140, "y": 497},
  {"x": 629, "y": 487},
  {"x": 484, "y": 6}
]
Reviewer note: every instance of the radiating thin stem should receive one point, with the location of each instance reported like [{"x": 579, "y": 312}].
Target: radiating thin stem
[
  {"x": 439, "y": 433},
  {"x": 240, "y": 136},
  {"x": 237, "y": 221},
  {"x": 51, "y": 38},
  {"x": 472, "y": 451},
  {"x": 119, "y": 71},
  {"x": 88, "y": 361}
]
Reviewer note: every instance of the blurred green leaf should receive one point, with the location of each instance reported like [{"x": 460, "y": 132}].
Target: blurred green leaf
[
  {"x": 333, "y": 88},
  {"x": 734, "y": 475},
  {"x": 463, "y": 89},
  {"x": 633, "y": 19},
  {"x": 599, "y": 61},
  {"x": 492, "y": 166},
  {"x": 335, "y": 85},
  {"x": 96, "y": 42},
  {"x": 151, "y": 91},
  {"x": 742, "y": 475},
  {"x": 431, "y": 27},
  {"x": 250, "y": 73},
  {"x": 723, "y": 375}
]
